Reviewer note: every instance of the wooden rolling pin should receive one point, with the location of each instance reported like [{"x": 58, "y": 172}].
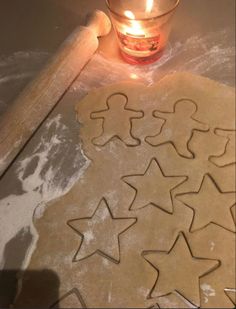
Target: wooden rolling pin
[{"x": 37, "y": 100}]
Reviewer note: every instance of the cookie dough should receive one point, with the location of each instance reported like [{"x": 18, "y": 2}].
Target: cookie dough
[{"x": 150, "y": 223}]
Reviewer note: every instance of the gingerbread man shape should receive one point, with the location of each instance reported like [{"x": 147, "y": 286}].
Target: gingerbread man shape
[
  {"x": 178, "y": 127},
  {"x": 228, "y": 157},
  {"x": 116, "y": 113},
  {"x": 203, "y": 145}
]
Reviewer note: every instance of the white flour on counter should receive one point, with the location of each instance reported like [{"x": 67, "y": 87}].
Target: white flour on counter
[
  {"x": 41, "y": 185},
  {"x": 15, "y": 72},
  {"x": 208, "y": 55}
]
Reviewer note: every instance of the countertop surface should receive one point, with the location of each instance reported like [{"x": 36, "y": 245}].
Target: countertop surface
[{"x": 202, "y": 42}]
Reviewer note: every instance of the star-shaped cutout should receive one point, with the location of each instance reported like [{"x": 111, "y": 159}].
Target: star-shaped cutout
[
  {"x": 178, "y": 270},
  {"x": 231, "y": 293},
  {"x": 72, "y": 299},
  {"x": 210, "y": 205},
  {"x": 153, "y": 187},
  {"x": 100, "y": 233}
]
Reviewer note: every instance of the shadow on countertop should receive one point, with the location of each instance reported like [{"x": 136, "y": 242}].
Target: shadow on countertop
[{"x": 41, "y": 288}]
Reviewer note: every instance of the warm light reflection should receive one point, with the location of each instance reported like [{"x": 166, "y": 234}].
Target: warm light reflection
[
  {"x": 149, "y": 5},
  {"x": 129, "y": 14},
  {"x": 133, "y": 76},
  {"x": 135, "y": 27}
]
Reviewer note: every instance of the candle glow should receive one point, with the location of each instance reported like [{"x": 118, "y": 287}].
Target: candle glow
[
  {"x": 135, "y": 28},
  {"x": 142, "y": 30},
  {"x": 149, "y": 6},
  {"x": 129, "y": 14}
]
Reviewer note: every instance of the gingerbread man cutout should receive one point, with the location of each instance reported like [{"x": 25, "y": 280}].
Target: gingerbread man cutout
[
  {"x": 178, "y": 127},
  {"x": 203, "y": 145},
  {"x": 228, "y": 157},
  {"x": 116, "y": 113}
]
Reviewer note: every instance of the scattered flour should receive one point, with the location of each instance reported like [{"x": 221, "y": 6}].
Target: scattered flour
[
  {"x": 188, "y": 304},
  {"x": 3, "y": 161},
  {"x": 9, "y": 78},
  {"x": 15, "y": 72},
  {"x": 199, "y": 54},
  {"x": 203, "y": 55},
  {"x": 106, "y": 262},
  {"x": 88, "y": 236},
  {"x": 166, "y": 302},
  {"x": 212, "y": 247},
  {"x": 208, "y": 291},
  {"x": 39, "y": 187},
  {"x": 144, "y": 292},
  {"x": 103, "y": 214},
  {"x": 110, "y": 294}
]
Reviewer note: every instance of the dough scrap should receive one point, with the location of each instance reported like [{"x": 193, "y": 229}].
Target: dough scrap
[{"x": 128, "y": 283}]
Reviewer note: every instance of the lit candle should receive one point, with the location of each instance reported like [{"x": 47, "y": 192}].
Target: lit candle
[
  {"x": 135, "y": 28},
  {"x": 142, "y": 29},
  {"x": 149, "y": 6}
]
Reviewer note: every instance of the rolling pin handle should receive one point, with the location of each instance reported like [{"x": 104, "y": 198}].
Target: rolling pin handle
[
  {"x": 100, "y": 23},
  {"x": 37, "y": 100}
]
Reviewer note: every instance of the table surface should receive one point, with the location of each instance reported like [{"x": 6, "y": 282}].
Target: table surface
[{"x": 202, "y": 42}]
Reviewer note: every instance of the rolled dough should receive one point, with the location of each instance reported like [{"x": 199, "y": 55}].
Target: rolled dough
[{"x": 150, "y": 223}]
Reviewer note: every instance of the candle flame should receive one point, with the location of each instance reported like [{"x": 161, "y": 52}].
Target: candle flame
[
  {"x": 135, "y": 27},
  {"x": 129, "y": 14},
  {"x": 149, "y": 5}
]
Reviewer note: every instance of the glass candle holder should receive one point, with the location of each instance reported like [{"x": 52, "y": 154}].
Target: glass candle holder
[{"x": 142, "y": 27}]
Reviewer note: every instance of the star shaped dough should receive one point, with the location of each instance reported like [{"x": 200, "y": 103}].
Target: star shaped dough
[
  {"x": 178, "y": 127},
  {"x": 117, "y": 121},
  {"x": 153, "y": 187},
  {"x": 100, "y": 233},
  {"x": 178, "y": 270},
  {"x": 210, "y": 205},
  {"x": 72, "y": 299},
  {"x": 231, "y": 293}
]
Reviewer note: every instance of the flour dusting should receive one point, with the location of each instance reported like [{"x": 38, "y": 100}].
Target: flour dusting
[
  {"x": 204, "y": 55},
  {"x": 212, "y": 246},
  {"x": 208, "y": 291},
  {"x": 41, "y": 175},
  {"x": 41, "y": 182},
  {"x": 88, "y": 237},
  {"x": 16, "y": 71}
]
